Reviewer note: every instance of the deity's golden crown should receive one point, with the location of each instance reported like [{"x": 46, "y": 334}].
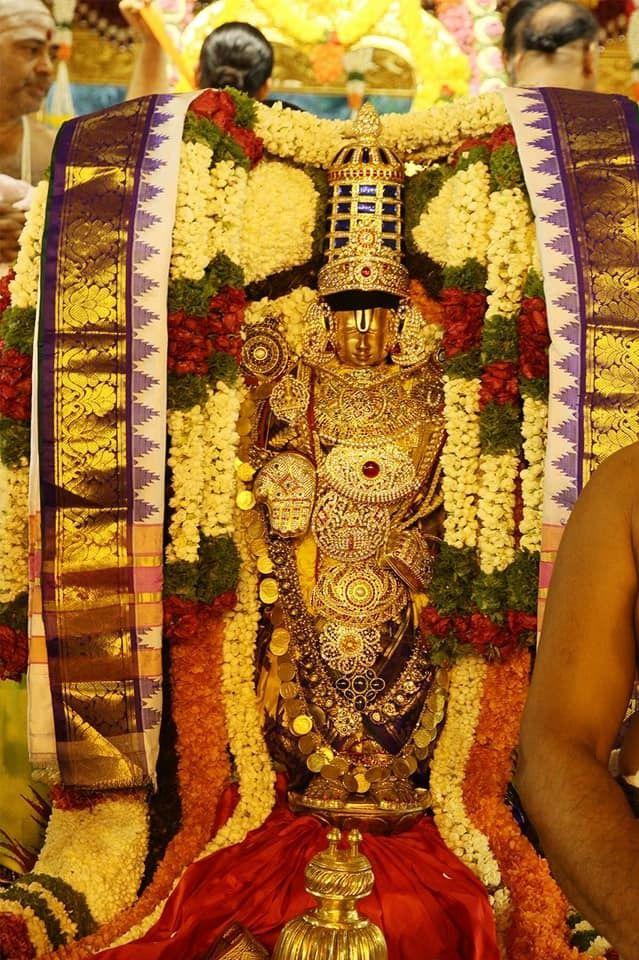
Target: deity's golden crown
[{"x": 364, "y": 240}]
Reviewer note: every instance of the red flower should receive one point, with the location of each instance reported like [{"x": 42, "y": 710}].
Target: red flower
[
  {"x": 502, "y": 136},
  {"x": 14, "y": 938},
  {"x": 15, "y": 384},
  {"x": 193, "y": 340},
  {"x": 480, "y": 632},
  {"x": 218, "y": 106},
  {"x": 224, "y": 321},
  {"x": 251, "y": 144},
  {"x": 519, "y": 623},
  {"x": 499, "y": 383},
  {"x": 14, "y": 650},
  {"x": 5, "y": 296},
  {"x": 185, "y": 619},
  {"x": 434, "y": 624},
  {"x": 463, "y": 316},
  {"x": 534, "y": 338}
]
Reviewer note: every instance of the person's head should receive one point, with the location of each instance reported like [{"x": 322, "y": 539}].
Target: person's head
[
  {"x": 551, "y": 43},
  {"x": 236, "y": 55},
  {"x": 27, "y": 56}
]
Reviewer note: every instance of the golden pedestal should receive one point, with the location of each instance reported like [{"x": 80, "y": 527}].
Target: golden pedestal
[{"x": 334, "y": 930}]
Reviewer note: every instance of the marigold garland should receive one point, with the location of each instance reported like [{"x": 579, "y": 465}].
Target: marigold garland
[{"x": 537, "y": 921}]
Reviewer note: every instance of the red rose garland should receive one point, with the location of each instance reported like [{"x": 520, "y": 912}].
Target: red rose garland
[{"x": 463, "y": 320}]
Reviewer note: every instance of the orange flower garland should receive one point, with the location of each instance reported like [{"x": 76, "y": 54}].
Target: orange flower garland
[
  {"x": 196, "y": 635},
  {"x": 539, "y": 908}
]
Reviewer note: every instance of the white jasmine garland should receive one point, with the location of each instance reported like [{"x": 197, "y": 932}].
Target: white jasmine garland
[
  {"x": 498, "y": 476},
  {"x": 509, "y": 251},
  {"x": 57, "y": 908},
  {"x": 279, "y": 220},
  {"x": 193, "y": 232},
  {"x": 431, "y": 234},
  {"x": 186, "y": 453},
  {"x": 112, "y": 834},
  {"x": 24, "y": 286},
  {"x": 534, "y": 430},
  {"x": 219, "y": 448},
  {"x": 14, "y": 510},
  {"x": 448, "y": 771},
  {"x": 460, "y": 461},
  {"x": 470, "y": 215}
]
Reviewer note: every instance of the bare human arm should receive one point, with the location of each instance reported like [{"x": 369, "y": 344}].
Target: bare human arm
[
  {"x": 580, "y": 689},
  {"x": 150, "y": 68}
]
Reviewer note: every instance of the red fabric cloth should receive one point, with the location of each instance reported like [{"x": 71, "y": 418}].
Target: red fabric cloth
[{"x": 428, "y": 904}]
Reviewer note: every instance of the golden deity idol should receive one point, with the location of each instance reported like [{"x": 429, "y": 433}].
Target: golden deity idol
[{"x": 346, "y": 496}]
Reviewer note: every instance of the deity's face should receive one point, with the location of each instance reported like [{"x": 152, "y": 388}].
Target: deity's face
[{"x": 361, "y": 336}]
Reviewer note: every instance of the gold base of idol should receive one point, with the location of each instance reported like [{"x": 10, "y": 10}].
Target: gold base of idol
[
  {"x": 380, "y": 817},
  {"x": 334, "y": 930}
]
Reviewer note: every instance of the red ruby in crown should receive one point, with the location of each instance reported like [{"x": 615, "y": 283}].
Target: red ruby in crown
[
  {"x": 370, "y": 469},
  {"x": 366, "y": 271}
]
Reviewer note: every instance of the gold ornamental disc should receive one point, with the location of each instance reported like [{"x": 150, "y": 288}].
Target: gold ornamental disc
[
  {"x": 269, "y": 591},
  {"x": 404, "y": 766},
  {"x": 422, "y": 737},
  {"x": 245, "y": 471},
  {"x": 316, "y": 762},
  {"x": 285, "y": 671},
  {"x": 330, "y": 772},
  {"x": 264, "y": 563},
  {"x": 289, "y": 690},
  {"x": 302, "y": 724},
  {"x": 245, "y": 500}
]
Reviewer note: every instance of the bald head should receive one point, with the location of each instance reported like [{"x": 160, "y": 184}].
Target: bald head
[{"x": 27, "y": 56}]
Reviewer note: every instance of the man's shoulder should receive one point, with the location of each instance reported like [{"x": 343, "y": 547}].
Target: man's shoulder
[{"x": 614, "y": 484}]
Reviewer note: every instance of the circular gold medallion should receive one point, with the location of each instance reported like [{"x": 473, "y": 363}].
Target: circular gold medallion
[
  {"x": 265, "y": 353},
  {"x": 302, "y": 724},
  {"x": 316, "y": 762},
  {"x": 285, "y": 671},
  {"x": 245, "y": 500},
  {"x": 404, "y": 766},
  {"x": 294, "y": 707},
  {"x": 245, "y": 471},
  {"x": 288, "y": 691},
  {"x": 422, "y": 737},
  {"x": 330, "y": 772},
  {"x": 269, "y": 591},
  {"x": 264, "y": 564}
]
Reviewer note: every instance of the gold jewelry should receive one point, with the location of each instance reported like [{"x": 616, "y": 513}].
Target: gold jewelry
[
  {"x": 361, "y": 595},
  {"x": 364, "y": 404},
  {"x": 343, "y": 528},
  {"x": 377, "y": 473},
  {"x": 412, "y": 344},
  {"x": 289, "y": 399},
  {"x": 346, "y": 649},
  {"x": 317, "y": 337},
  {"x": 265, "y": 353},
  {"x": 286, "y": 485},
  {"x": 365, "y": 210},
  {"x": 408, "y": 556}
]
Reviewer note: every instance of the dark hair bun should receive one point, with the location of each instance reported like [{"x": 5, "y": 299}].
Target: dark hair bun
[{"x": 227, "y": 76}]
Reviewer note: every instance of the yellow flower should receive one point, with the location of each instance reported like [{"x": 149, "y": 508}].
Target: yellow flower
[
  {"x": 460, "y": 461},
  {"x": 496, "y": 510}
]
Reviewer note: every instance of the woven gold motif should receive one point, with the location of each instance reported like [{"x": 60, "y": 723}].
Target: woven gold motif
[
  {"x": 378, "y": 473},
  {"x": 346, "y": 648},
  {"x": 345, "y": 529},
  {"x": 289, "y": 399},
  {"x": 286, "y": 485},
  {"x": 360, "y": 404},
  {"x": 360, "y": 595}
]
